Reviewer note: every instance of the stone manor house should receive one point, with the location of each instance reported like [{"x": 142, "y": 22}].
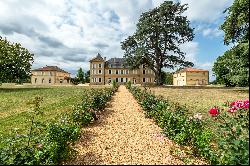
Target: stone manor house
[
  {"x": 50, "y": 75},
  {"x": 104, "y": 72}
]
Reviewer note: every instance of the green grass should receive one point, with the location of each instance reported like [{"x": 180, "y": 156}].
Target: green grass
[
  {"x": 201, "y": 99},
  {"x": 14, "y": 110}
]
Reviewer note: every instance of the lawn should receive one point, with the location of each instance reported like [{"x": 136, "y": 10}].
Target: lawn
[
  {"x": 201, "y": 99},
  {"x": 14, "y": 110}
]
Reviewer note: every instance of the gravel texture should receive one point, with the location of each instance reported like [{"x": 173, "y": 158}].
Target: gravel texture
[{"x": 122, "y": 136}]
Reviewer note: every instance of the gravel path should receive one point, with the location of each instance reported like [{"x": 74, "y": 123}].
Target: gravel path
[{"x": 123, "y": 135}]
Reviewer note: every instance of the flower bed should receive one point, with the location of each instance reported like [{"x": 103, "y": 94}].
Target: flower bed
[
  {"x": 52, "y": 143},
  {"x": 193, "y": 131}
]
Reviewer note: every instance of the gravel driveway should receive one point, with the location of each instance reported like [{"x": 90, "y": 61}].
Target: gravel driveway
[{"x": 123, "y": 135}]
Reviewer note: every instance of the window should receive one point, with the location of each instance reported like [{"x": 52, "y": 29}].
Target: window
[
  {"x": 100, "y": 65},
  {"x": 121, "y": 79},
  {"x": 49, "y": 80},
  {"x": 143, "y": 80},
  {"x": 42, "y": 80},
  {"x": 100, "y": 79},
  {"x": 50, "y": 73},
  {"x": 100, "y": 72},
  {"x": 127, "y": 72},
  {"x": 116, "y": 79},
  {"x": 126, "y": 79},
  {"x": 61, "y": 81},
  {"x": 116, "y": 72},
  {"x": 121, "y": 71},
  {"x": 110, "y": 71},
  {"x": 144, "y": 71},
  {"x": 35, "y": 80},
  {"x": 144, "y": 66},
  {"x": 42, "y": 73},
  {"x": 93, "y": 80}
]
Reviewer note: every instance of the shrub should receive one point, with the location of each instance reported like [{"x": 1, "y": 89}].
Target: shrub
[
  {"x": 228, "y": 144},
  {"x": 233, "y": 134},
  {"x": 175, "y": 122},
  {"x": 52, "y": 143}
]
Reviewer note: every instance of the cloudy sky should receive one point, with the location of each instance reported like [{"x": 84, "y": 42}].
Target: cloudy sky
[{"x": 68, "y": 33}]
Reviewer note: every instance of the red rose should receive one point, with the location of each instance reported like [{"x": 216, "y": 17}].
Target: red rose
[
  {"x": 232, "y": 104},
  {"x": 214, "y": 111}
]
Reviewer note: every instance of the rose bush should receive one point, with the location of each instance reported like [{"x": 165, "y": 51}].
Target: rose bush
[{"x": 232, "y": 133}]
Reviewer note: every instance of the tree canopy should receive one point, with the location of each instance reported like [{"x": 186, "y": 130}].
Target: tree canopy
[
  {"x": 80, "y": 75},
  {"x": 158, "y": 36},
  {"x": 15, "y": 62},
  {"x": 236, "y": 25},
  {"x": 232, "y": 68}
]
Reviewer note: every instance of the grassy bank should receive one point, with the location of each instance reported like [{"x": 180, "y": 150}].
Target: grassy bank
[{"x": 14, "y": 110}]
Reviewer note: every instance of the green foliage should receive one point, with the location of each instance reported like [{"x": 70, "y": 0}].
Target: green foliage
[
  {"x": 75, "y": 81},
  {"x": 52, "y": 143},
  {"x": 15, "y": 62},
  {"x": 232, "y": 69},
  {"x": 156, "y": 41},
  {"x": 233, "y": 137},
  {"x": 128, "y": 84},
  {"x": 236, "y": 25},
  {"x": 87, "y": 75},
  {"x": 228, "y": 145},
  {"x": 115, "y": 84},
  {"x": 175, "y": 122},
  {"x": 80, "y": 76},
  {"x": 167, "y": 78}
]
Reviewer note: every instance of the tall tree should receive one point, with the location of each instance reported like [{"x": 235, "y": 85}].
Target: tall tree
[
  {"x": 232, "y": 68},
  {"x": 87, "y": 75},
  {"x": 158, "y": 36},
  {"x": 80, "y": 75},
  {"x": 15, "y": 62},
  {"x": 236, "y": 24}
]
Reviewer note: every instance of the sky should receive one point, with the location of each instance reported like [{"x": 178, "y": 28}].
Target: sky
[{"x": 68, "y": 33}]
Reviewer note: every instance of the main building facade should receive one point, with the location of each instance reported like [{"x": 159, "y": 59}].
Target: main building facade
[{"x": 104, "y": 72}]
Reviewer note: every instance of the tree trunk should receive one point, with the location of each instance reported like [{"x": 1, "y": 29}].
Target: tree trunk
[{"x": 158, "y": 77}]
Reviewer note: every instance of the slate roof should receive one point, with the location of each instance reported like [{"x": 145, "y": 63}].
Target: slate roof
[
  {"x": 190, "y": 69},
  {"x": 97, "y": 58},
  {"x": 50, "y": 68},
  {"x": 116, "y": 63}
]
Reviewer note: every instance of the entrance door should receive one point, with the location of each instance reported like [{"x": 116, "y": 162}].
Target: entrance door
[{"x": 134, "y": 81}]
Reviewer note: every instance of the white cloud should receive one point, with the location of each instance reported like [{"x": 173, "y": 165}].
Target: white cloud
[
  {"x": 212, "y": 32},
  {"x": 191, "y": 49},
  {"x": 205, "y": 10},
  {"x": 68, "y": 33}
]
